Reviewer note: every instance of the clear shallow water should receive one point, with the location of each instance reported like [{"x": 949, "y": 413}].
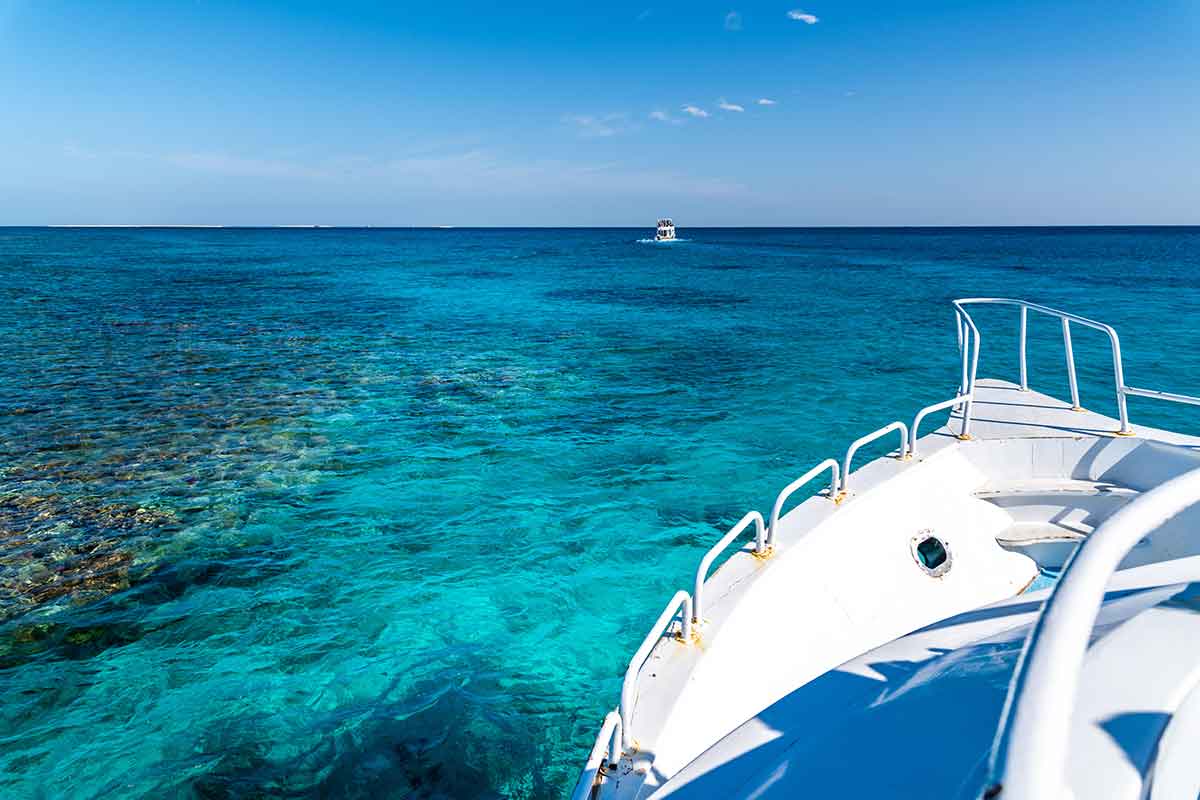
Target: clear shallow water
[{"x": 384, "y": 513}]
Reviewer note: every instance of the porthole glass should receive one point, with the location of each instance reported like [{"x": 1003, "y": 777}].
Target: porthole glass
[{"x": 931, "y": 553}]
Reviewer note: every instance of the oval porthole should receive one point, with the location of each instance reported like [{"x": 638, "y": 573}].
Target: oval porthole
[{"x": 931, "y": 553}]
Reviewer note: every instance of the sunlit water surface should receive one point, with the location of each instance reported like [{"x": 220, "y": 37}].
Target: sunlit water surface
[{"x": 384, "y": 513}]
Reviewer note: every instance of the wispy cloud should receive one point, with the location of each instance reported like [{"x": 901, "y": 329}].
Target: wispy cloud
[
  {"x": 460, "y": 173},
  {"x": 642, "y": 16},
  {"x": 663, "y": 116},
  {"x": 733, "y": 21},
  {"x": 695, "y": 111},
  {"x": 725, "y": 105},
  {"x": 801, "y": 16},
  {"x": 766, "y": 101},
  {"x": 593, "y": 126}
]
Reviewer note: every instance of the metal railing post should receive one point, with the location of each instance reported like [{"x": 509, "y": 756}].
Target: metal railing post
[
  {"x": 870, "y": 437},
  {"x": 962, "y": 349},
  {"x": 973, "y": 340},
  {"x": 1066, "y": 326},
  {"x": 834, "y": 482},
  {"x": 1024, "y": 327},
  {"x": 952, "y": 403},
  {"x": 1119, "y": 378},
  {"x": 606, "y": 752},
  {"x": 681, "y": 602},
  {"x": 760, "y": 547}
]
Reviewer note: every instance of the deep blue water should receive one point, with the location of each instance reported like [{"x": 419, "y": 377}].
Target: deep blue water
[{"x": 383, "y": 513}]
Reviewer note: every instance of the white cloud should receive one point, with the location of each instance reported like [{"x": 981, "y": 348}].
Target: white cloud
[
  {"x": 337, "y": 187},
  {"x": 591, "y": 125},
  {"x": 695, "y": 111},
  {"x": 733, "y": 21},
  {"x": 766, "y": 101},
  {"x": 800, "y": 16},
  {"x": 663, "y": 116},
  {"x": 727, "y": 106}
]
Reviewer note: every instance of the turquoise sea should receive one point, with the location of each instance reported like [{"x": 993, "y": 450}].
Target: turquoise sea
[{"x": 383, "y": 513}]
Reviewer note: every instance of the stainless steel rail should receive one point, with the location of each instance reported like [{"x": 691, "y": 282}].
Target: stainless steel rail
[
  {"x": 791, "y": 488},
  {"x": 606, "y": 752},
  {"x": 1171, "y": 396},
  {"x": 953, "y": 402},
  {"x": 870, "y": 437},
  {"x": 716, "y": 550},
  {"x": 970, "y": 344},
  {"x": 681, "y": 601}
]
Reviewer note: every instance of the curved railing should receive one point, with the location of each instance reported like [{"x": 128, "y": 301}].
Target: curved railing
[
  {"x": 717, "y": 549},
  {"x": 1032, "y": 742},
  {"x": 870, "y": 437},
  {"x": 1067, "y": 318},
  {"x": 953, "y": 402},
  {"x": 971, "y": 345},
  {"x": 790, "y": 489},
  {"x": 605, "y": 753},
  {"x": 680, "y": 601}
]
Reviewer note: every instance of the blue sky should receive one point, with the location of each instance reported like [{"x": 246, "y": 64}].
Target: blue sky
[{"x": 469, "y": 113}]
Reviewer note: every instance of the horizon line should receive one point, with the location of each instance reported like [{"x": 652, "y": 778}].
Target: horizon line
[{"x": 306, "y": 226}]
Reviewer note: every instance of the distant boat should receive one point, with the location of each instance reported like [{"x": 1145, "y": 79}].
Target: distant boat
[{"x": 666, "y": 231}]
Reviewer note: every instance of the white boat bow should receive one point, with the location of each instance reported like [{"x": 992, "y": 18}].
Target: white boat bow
[{"x": 867, "y": 641}]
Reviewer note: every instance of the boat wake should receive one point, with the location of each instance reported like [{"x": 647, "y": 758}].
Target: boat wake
[{"x": 662, "y": 241}]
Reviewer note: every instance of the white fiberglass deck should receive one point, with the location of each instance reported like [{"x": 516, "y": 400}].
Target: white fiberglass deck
[
  {"x": 1003, "y": 411},
  {"x": 916, "y": 717}
]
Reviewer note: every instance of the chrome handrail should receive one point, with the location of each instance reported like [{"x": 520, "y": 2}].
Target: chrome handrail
[
  {"x": 1070, "y": 353},
  {"x": 828, "y": 464},
  {"x": 953, "y": 402},
  {"x": 717, "y": 549},
  {"x": 971, "y": 346},
  {"x": 1067, "y": 318},
  {"x": 605, "y": 752},
  {"x": 870, "y": 437},
  {"x": 1029, "y": 757},
  {"x": 1170, "y": 396},
  {"x": 629, "y": 685},
  {"x": 1120, "y": 388}
]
